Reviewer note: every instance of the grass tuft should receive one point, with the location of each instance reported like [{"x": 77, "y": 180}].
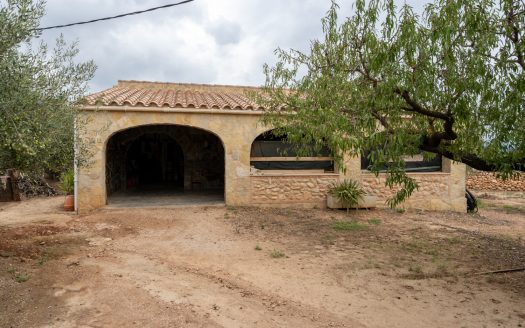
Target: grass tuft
[
  {"x": 21, "y": 278},
  {"x": 277, "y": 254},
  {"x": 348, "y": 226},
  {"x": 374, "y": 222}
]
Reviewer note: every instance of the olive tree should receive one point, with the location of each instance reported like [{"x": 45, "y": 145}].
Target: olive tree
[
  {"x": 449, "y": 81},
  {"x": 39, "y": 92}
]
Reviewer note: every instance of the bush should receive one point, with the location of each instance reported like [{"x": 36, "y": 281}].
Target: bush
[
  {"x": 348, "y": 192},
  {"x": 67, "y": 182}
]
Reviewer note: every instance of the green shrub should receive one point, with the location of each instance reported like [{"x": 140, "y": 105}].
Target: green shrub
[
  {"x": 348, "y": 192},
  {"x": 67, "y": 182}
]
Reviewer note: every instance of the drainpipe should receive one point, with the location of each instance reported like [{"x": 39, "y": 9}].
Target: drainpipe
[{"x": 75, "y": 165}]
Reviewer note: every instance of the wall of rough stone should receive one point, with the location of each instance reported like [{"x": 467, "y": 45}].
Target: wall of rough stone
[
  {"x": 478, "y": 180},
  {"x": 430, "y": 185},
  {"x": 280, "y": 189},
  {"x": 437, "y": 190},
  {"x": 432, "y": 188}
]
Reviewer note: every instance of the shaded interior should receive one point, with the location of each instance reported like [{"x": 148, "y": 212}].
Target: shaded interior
[{"x": 164, "y": 158}]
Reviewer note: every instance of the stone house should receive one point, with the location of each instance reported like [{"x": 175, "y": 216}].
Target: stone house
[{"x": 199, "y": 140}]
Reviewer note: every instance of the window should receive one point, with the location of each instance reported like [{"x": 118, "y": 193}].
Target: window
[
  {"x": 270, "y": 152},
  {"x": 412, "y": 163}
]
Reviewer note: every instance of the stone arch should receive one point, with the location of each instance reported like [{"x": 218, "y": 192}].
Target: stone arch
[{"x": 161, "y": 156}]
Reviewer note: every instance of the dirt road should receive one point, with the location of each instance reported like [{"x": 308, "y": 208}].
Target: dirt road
[{"x": 251, "y": 267}]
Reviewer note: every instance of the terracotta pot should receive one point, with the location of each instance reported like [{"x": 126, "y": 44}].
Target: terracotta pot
[{"x": 69, "y": 203}]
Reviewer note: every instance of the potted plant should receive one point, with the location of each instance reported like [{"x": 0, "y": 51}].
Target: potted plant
[
  {"x": 67, "y": 184},
  {"x": 349, "y": 194}
]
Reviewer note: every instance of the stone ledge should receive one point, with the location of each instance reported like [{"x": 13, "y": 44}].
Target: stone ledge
[
  {"x": 368, "y": 173},
  {"x": 294, "y": 175}
]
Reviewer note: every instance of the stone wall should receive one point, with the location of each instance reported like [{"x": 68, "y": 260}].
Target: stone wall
[
  {"x": 437, "y": 190},
  {"x": 235, "y": 129},
  {"x": 310, "y": 190},
  {"x": 432, "y": 185},
  {"x": 478, "y": 180}
]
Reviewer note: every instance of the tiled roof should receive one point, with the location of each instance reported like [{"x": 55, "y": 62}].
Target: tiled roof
[{"x": 175, "y": 95}]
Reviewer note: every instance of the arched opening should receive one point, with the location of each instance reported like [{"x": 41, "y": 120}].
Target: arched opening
[
  {"x": 164, "y": 165},
  {"x": 154, "y": 160},
  {"x": 273, "y": 152}
]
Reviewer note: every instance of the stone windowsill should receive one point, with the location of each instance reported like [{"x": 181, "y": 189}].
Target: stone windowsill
[
  {"x": 368, "y": 173},
  {"x": 292, "y": 174}
]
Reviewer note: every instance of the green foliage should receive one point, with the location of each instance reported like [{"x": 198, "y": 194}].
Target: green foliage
[
  {"x": 450, "y": 81},
  {"x": 348, "y": 192},
  {"x": 349, "y": 226},
  {"x": 67, "y": 182},
  {"x": 21, "y": 278},
  {"x": 374, "y": 221},
  {"x": 39, "y": 93},
  {"x": 277, "y": 254}
]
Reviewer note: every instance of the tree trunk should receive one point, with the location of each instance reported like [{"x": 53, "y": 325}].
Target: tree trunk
[{"x": 14, "y": 175}]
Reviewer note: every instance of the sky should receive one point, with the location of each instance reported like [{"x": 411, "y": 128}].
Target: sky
[{"x": 205, "y": 41}]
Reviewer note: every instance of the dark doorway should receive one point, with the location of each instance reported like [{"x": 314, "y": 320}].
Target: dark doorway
[
  {"x": 176, "y": 164},
  {"x": 154, "y": 160}
]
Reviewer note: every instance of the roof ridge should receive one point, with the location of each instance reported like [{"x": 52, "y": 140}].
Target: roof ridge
[{"x": 202, "y": 87}]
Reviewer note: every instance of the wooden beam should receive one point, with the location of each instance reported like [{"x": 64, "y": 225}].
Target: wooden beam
[{"x": 290, "y": 159}]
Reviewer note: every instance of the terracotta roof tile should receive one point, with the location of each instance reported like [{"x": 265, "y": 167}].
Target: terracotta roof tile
[{"x": 175, "y": 95}]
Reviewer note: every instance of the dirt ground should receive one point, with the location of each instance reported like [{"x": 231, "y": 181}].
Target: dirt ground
[{"x": 257, "y": 267}]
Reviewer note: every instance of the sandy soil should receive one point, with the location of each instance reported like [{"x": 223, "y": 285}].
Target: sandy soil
[{"x": 252, "y": 267}]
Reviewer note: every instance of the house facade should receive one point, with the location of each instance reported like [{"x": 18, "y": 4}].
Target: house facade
[{"x": 209, "y": 139}]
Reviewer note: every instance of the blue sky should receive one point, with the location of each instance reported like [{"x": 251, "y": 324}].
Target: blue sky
[{"x": 206, "y": 41}]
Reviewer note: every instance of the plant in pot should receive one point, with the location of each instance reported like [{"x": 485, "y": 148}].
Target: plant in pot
[
  {"x": 67, "y": 184},
  {"x": 348, "y": 193}
]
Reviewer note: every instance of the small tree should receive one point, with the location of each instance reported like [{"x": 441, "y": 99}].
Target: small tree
[
  {"x": 39, "y": 92},
  {"x": 385, "y": 80}
]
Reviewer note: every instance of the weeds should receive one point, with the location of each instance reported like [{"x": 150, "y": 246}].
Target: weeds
[
  {"x": 277, "y": 254},
  {"x": 231, "y": 208},
  {"x": 17, "y": 276},
  {"x": 441, "y": 270},
  {"x": 416, "y": 272},
  {"x": 21, "y": 278},
  {"x": 43, "y": 259},
  {"x": 481, "y": 203},
  {"x": 348, "y": 226},
  {"x": 328, "y": 240},
  {"x": 374, "y": 221},
  {"x": 512, "y": 209}
]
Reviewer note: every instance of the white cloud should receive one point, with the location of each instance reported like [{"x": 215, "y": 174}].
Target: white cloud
[{"x": 205, "y": 41}]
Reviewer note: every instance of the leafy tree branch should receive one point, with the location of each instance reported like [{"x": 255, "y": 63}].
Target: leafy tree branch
[{"x": 450, "y": 81}]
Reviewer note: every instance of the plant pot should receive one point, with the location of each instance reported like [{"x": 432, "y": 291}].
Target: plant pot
[
  {"x": 365, "y": 202},
  {"x": 69, "y": 203}
]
